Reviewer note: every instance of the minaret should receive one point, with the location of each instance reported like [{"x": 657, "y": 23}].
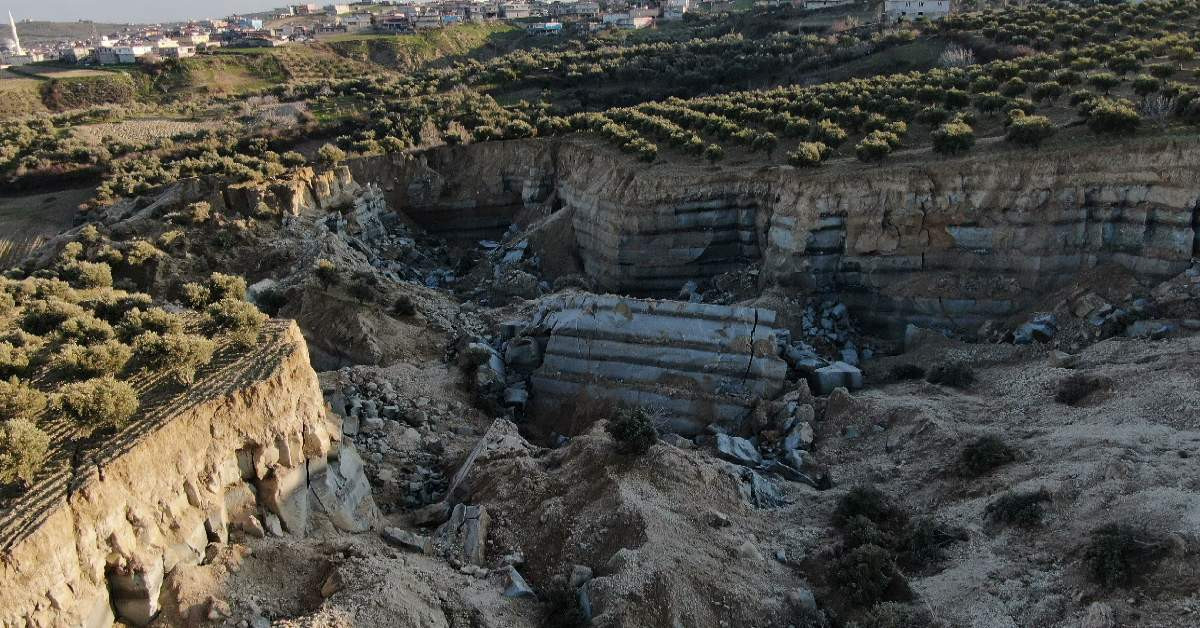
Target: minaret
[{"x": 16, "y": 39}]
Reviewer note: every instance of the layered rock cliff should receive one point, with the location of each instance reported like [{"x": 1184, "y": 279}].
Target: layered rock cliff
[
  {"x": 248, "y": 449},
  {"x": 931, "y": 240}
]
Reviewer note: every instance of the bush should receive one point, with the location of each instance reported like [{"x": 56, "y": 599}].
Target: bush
[
  {"x": 928, "y": 540},
  {"x": 633, "y": 430},
  {"x": 1019, "y": 509},
  {"x": 88, "y": 274},
  {"x": 1103, "y": 81},
  {"x": 363, "y": 286},
  {"x": 155, "y": 319},
  {"x": 100, "y": 402},
  {"x": 271, "y": 300},
  {"x": 1030, "y": 130},
  {"x": 105, "y": 358},
  {"x": 13, "y": 360},
  {"x": 221, "y": 286},
  {"x": 903, "y": 372},
  {"x": 1118, "y": 552},
  {"x": 828, "y": 133},
  {"x": 240, "y": 320},
  {"x": 19, "y": 401},
  {"x": 984, "y": 455},
  {"x": 807, "y": 155},
  {"x": 23, "y": 450},
  {"x": 864, "y": 574},
  {"x": 178, "y": 355},
  {"x": 871, "y": 504},
  {"x": 140, "y": 253},
  {"x": 953, "y": 138},
  {"x": 195, "y": 295},
  {"x": 1076, "y": 387},
  {"x": 327, "y": 273},
  {"x": 1113, "y": 117},
  {"x": 46, "y": 315},
  {"x": 404, "y": 306},
  {"x": 85, "y": 329},
  {"x": 953, "y": 374},
  {"x": 329, "y": 155},
  {"x": 872, "y": 148},
  {"x": 1050, "y": 90}
]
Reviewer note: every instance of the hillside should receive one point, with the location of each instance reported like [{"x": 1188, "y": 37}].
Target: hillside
[{"x": 33, "y": 31}]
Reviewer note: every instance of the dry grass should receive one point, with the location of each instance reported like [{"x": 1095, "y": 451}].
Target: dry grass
[{"x": 31, "y": 220}]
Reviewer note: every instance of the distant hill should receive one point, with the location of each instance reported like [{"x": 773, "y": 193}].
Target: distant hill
[{"x": 32, "y": 32}]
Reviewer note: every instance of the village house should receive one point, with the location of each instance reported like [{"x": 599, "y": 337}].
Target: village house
[{"x": 899, "y": 10}]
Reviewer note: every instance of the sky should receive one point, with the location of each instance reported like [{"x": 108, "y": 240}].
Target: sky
[{"x": 121, "y": 11}]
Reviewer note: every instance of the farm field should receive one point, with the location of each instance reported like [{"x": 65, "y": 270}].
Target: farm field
[{"x": 30, "y": 220}]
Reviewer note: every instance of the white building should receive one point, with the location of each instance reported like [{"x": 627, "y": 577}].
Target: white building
[
  {"x": 357, "y": 20},
  {"x": 337, "y": 9},
  {"x": 825, "y": 4},
  {"x": 675, "y": 9},
  {"x": 626, "y": 21},
  {"x": 897, "y": 10}
]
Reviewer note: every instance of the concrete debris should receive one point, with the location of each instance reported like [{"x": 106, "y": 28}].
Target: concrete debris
[
  {"x": 1041, "y": 329},
  {"x": 837, "y": 375},
  {"x": 579, "y": 576},
  {"x": 464, "y": 536}
]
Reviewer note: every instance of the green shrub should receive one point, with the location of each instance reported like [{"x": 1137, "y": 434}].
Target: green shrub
[
  {"x": 178, "y": 355},
  {"x": 7, "y": 303},
  {"x": 88, "y": 274},
  {"x": 13, "y": 360},
  {"x": 932, "y": 115},
  {"x": 1019, "y": 509},
  {"x": 85, "y": 329},
  {"x": 871, "y": 504},
  {"x": 633, "y": 430},
  {"x": 140, "y": 252},
  {"x": 1118, "y": 552},
  {"x": 828, "y": 133},
  {"x": 194, "y": 295},
  {"x": 903, "y": 372},
  {"x": 954, "y": 374},
  {"x": 19, "y": 401},
  {"x": 1144, "y": 85},
  {"x": 137, "y": 322},
  {"x": 1076, "y": 387},
  {"x": 329, "y": 155},
  {"x": 104, "y": 358},
  {"x": 1030, "y": 130},
  {"x": 363, "y": 286},
  {"x": 43, "y": 316},
  {"x": 327, "y": 273},
  {"x": 807, "y": 155},
  {"x": 1049, "y": 90},
  {"x": 928, "y": 540},
  {"x": 23, "y": 450},
  {"x": 864, "y": 574},
  {"x": 99, "y": 402},
  {"x": 953, "y": 138},
  {"x": 873, "y": 148},
  {"x": 1103, "y": 81},
  {"x": 714, "y": 153},
  {"x": 240, "y": 320},
  {"x": 1113, "y": 117},
  {"x": 221, "y": 286},
  {"x": 984, "y": 455}
]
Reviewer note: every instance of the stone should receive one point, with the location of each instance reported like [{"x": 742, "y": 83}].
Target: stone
[
  {"x": 737, "y": 450},
  {"x": 837, "y": 375},
  {"x": 332, "y": 584},
  {"x": 799, "y": 437},
  {"x": 523, "y": 353},
  {"x": 802, "y": 598},
  {"x": 580, "y": 574},
  {"x": 621, "y": 558},
  {"x": 136, "y": 589},
  {"x": 1041, "y": 329},
  {"x": 1154, "y": 330},
  {"x": 464, "y": 535},
  {"x": 1062, "y": 360},
  {"x": 747, "y": 551},
  {"x": 405, "y": 539},
  {"x": 760, "y": 491},
  {"x": 432, "y": 514},
  {"x": 250, "y": 525},
  {"x": 675, "y": 440},
  {"x": 372, "y": 425},
  {"x": 517, "y": 587},
  {"x": 516, "y": 397},
  {"x": 718, "y": 519},
  {"x": 285, "y": 492},
  {"x": 273, "y": 525}
]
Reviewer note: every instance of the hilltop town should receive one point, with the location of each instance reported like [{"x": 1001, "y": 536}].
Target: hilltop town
[{"x": 308, "y": 22}]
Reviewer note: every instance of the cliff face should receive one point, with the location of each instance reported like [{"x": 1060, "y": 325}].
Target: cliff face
[
  {"x": 944, "y": 242},
  {"x": 248, "y": 447}
]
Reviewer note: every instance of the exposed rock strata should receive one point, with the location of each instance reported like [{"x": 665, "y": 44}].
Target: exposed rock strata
[
  {"x": 949, "y": 243},
  {"x": 249, "y": 443}
]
